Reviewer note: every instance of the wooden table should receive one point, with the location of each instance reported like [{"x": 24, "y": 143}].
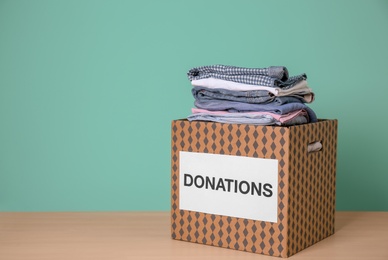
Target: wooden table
[{"x": 146, "y": 235}]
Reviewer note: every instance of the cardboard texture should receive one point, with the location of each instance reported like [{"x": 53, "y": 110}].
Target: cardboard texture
[{"x": 306, "y": 185}]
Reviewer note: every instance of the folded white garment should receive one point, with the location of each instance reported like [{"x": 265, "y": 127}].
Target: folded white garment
[
  {"x": 300, "y": 89},
  {"x": 230, "y": 85}
]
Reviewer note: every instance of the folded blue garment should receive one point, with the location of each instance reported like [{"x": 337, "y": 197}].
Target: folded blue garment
[{"x": 233, "y": 106}]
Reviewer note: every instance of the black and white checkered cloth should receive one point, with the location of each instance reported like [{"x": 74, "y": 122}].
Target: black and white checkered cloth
[{"x": 275, "y": 76}]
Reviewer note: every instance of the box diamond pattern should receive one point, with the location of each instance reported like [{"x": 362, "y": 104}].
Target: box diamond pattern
[{"x": 306, "y": 185}]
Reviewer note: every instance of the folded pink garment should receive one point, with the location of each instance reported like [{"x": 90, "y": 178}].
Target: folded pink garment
[{"x": 281, "y": 118}]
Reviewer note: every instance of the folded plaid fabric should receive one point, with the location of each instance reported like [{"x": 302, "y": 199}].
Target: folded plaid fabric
[
  {"x": 275, "y": 76},
  {"x": 255, "y": 76}
]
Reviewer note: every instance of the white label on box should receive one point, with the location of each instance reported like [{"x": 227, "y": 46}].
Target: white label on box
[{"x": 236, "y": 186}]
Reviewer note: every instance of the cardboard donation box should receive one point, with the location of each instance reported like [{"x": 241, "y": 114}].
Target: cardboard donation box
[{"x": 253, "y": 188}]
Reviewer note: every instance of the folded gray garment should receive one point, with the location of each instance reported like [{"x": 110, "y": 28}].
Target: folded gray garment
[
  {"x": 252, "y": 97},
  {"x": 296, "y": 121},
  {"x": 232, "y": 106}
]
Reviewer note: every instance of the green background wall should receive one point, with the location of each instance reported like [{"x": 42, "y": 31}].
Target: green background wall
[{"x": 88, "y": 90}]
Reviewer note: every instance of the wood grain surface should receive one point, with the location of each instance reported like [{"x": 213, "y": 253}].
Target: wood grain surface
[{"x": 146, "y": 235}]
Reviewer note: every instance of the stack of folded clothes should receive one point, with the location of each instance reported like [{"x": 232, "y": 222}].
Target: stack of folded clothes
[{"x": 259, "y": 96}]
